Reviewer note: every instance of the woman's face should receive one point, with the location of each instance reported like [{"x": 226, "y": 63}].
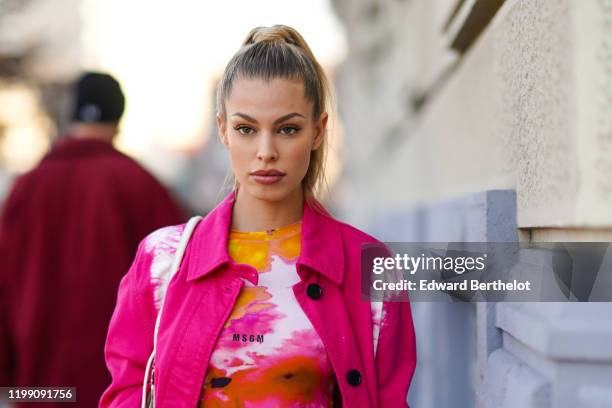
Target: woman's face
[{"x": 270, "y": 133}]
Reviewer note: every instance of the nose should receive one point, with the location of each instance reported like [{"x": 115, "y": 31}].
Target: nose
[{"x": 266, "y": 150}]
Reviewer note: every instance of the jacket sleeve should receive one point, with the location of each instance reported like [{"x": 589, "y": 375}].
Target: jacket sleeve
[
  {"x": 7, "y": 352},
  {"x": 11, "y": 236},
  {"x": 395, "y": 354},
  {"x": 154, "y": 207},
  {"x": 130, "y": 335}
]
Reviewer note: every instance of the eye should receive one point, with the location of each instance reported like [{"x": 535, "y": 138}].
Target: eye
[
  {"x": 244, "y": 130},
  {"x": 289, "y": 130}
]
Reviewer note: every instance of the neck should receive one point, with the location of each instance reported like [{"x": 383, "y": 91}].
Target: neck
[
  {"x": 98, "y": 131},
  {"x": 252, "y": 214}
]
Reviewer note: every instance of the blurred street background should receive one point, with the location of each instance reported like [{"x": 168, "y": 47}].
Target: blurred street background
[
  {"x": 168, "y": 57},
  {"x": 457, "y": 120}
]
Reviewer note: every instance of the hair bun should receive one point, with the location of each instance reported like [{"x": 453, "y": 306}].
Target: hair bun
[{"x": 275, "y": 34}]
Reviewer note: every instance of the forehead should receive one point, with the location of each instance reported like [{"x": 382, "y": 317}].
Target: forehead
[{"x": 267, "y": 99}]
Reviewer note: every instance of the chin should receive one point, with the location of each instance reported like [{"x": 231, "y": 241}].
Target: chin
[{"x": 271, "y": 193}]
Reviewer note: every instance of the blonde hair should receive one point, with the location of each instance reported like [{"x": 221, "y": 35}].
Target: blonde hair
[{"x": 281, "y": 52}]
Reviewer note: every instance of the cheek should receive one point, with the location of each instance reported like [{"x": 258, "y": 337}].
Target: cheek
[
  {"x": 299, "y": 157},
  {"x": 240, "y": 155}
]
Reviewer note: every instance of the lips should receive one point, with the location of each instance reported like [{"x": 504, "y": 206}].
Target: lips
[
  {"x": 271, "y": 172},
  {"x": 270, "y": 176}
]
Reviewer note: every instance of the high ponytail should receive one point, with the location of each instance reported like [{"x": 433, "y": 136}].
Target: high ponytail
[
  {"x": 275, "y": 34},
  {"x": 281, "y": 52}
]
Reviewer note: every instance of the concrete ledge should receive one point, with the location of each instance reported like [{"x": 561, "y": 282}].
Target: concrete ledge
[
  {"x": 510, "y": 384},
  {"x": 561, "y": 331}
]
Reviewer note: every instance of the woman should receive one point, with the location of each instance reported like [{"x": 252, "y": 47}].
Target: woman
[{"x": 266, "y": 308}]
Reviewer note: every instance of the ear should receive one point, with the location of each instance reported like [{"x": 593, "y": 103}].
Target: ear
[
  {"x": 320, "y": 128},
  {"x": 222, "y": 126}
]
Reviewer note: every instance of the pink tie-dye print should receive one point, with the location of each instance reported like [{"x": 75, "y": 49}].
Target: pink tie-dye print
[{"x": 268, "y": 353}]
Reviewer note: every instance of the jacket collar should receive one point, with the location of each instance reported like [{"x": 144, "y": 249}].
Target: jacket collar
[
  {"x": 321, "y": 242},
  {"x": 68, "y": 146}
]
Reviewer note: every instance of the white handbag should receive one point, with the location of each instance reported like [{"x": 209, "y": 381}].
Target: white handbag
[{"x": 148, "y": 384}]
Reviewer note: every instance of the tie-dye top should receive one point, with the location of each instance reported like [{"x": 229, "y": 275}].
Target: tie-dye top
[{"x": 268, "y": 354}]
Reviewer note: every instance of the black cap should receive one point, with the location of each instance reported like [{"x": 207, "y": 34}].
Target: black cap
[{"x": 98, "y": 98}]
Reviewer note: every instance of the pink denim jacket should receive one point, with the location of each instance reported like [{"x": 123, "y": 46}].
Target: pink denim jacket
[{"x": 371, "y": 345}]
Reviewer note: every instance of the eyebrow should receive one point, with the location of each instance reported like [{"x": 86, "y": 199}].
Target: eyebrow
[{"x": 277, "y": 121}]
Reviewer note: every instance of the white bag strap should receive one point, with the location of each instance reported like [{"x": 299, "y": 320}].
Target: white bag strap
[{"x": 176, "y": 263}]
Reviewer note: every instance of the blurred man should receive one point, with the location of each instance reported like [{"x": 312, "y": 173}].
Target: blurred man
[{"x": 68, "y": 232}]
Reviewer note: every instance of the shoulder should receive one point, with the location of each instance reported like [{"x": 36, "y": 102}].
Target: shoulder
[
  {"x": 163, "y": 240},
  {"x": 23, "y": 187},
  {"x": 159, "y": 248},
  {"x": 129, "y": 168},
  {"x": 152, "y": 266},
  {"x": 28, "y": 177}
]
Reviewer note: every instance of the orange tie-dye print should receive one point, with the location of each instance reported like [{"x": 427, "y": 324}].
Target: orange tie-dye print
[{"x": 268, "y": 353}]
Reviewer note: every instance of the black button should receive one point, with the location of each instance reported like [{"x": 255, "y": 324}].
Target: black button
[
  {"x": 220, "y": 382},
  {"x": 353, "y": 377},
  {"x": 314, "y": 291}
]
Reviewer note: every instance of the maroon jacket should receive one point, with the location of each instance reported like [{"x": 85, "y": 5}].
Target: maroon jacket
[{"x": 68, "y": 233}]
